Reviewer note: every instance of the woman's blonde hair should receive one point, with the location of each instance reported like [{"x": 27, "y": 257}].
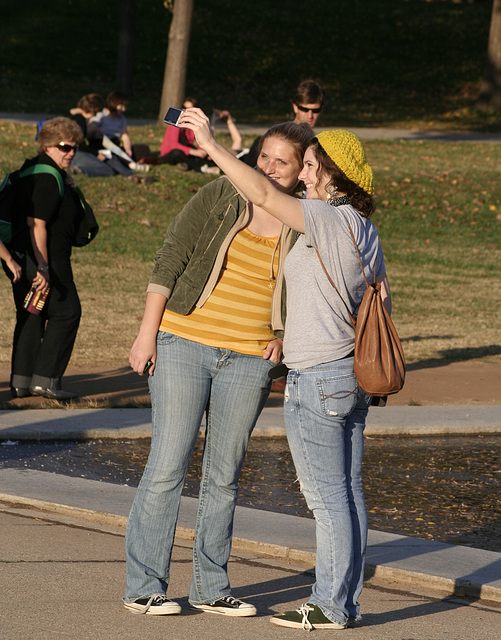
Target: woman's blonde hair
[{"x": 58, "y": 130}]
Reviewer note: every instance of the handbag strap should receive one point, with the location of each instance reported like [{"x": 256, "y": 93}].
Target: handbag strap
[
  {"x": 352, "y": 317},
  {"x": 359, "y": 258}
]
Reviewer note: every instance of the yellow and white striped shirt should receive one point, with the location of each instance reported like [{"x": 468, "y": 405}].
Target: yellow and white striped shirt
[{"x": 237, "y": 314}]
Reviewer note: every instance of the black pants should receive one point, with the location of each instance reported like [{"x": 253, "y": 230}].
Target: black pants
[
  {"x": 177, "y": 156},
  {"x": 43, "y": 344}
]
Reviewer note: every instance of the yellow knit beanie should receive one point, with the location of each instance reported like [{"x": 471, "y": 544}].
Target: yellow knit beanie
[{"x": 345, "y": 149}]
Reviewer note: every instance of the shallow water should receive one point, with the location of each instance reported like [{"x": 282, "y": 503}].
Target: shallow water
[{"x": 444, "y": 488}]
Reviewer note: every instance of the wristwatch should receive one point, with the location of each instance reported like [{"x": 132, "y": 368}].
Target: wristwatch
[{"x": 44, "y": 269}]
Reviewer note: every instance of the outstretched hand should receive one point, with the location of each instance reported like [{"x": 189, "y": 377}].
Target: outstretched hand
[{"x": 196, "y": 120}]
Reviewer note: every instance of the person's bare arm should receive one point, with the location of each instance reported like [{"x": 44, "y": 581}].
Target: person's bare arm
[
  {"x": 38, "y": 235},
  {"x": 127, "y": 144},
  {"x": 6, "y": 256},
  {"x": 198, "y": 153},
  {"x": 236, "y": 138},
  {"x": 385, "y": 292},
  {"x": 145, "y": 345}
]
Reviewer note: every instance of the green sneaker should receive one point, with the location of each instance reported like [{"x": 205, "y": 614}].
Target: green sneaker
[
  {"x": 353, "y": 622},
  {"x": 307, "y": 617}
]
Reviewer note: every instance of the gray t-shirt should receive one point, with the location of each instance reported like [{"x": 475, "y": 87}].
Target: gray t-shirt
[{"x": 318, "y": 327}]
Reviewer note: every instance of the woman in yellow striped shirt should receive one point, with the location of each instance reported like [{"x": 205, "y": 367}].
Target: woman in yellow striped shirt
[{"x": 210, "y": 334}]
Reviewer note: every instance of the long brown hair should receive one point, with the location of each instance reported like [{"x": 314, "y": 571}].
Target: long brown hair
[
  {"x": 360, "y": 200},
  {"x": 113, "y": 100}
]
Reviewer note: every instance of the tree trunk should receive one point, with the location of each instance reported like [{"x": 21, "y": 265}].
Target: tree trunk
[
  {"x": 125, "y": 60},
  {"x": 177, "y": 55},
  {"x": 490, "y": 91}
]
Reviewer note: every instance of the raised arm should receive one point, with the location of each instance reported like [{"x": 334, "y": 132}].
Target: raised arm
[
  {"x": 236, "y": 138},
  {"x": 258, "y": 189}
]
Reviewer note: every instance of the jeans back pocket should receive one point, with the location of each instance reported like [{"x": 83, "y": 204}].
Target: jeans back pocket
[{"x": 338, "y": 395}]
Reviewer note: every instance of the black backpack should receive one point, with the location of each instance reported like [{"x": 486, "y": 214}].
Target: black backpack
[{"x": 7, "y": 200}]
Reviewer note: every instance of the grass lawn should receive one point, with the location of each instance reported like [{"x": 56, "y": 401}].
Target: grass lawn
[{"x": 439, "y": 218}]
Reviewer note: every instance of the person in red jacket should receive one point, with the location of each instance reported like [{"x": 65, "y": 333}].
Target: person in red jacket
[{"x": 179, "y": 146}]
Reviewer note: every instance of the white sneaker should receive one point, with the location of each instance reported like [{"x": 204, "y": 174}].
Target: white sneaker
[
  {"x": 206, "y": 169},
  {"x": 228, "y": 606},
  {"x": 156, "y": 605},
  {"x": 138, "y": 166}
]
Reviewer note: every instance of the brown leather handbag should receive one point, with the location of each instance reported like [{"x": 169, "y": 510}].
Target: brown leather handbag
[{"x": 379, "y": 358}]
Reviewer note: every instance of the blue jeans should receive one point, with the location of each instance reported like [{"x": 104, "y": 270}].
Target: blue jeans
[
  {"x": 325, "y": 412},
  {"x": 190, "y": 379},
  {"x": 91, "y": 166}
]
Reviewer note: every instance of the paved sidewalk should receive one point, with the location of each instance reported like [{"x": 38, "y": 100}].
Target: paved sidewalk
[
  {"x": 365, "y": 133},
  {"x": 412, "y": 563},
  {"x": 60, "y": 580}
]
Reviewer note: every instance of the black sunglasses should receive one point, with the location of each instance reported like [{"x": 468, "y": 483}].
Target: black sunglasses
[
  {"x": 306, "y": 109},
  {"x": 66, "y": 148}
]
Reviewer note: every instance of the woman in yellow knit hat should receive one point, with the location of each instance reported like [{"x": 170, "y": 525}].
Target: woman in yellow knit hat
[{"x": 325, "y": 409}]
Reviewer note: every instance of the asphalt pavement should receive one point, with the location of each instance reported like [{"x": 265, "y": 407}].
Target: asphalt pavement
[{"x": 64, "y": 579}]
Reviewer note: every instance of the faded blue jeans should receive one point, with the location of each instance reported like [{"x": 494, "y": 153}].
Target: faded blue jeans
[
  {"x": 325, "y": 412},
  {"x": 90, "y": 165},
  {"x": 190, "y": 379}
]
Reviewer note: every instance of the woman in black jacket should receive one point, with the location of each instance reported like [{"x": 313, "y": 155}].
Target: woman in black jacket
[{"x": 53, "y": 209}]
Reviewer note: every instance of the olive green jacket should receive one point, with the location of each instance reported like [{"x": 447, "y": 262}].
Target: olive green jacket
[{"x": 188, "y": 265}]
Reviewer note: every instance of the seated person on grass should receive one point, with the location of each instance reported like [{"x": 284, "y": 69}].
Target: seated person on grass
[{"x": 179, "y": 146}]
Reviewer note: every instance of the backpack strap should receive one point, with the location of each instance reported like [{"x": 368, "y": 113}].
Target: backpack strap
[
  {"x": 45, "y": 168},
  {"x": 81, "y": 196},
  {"x": 5, "y": 181}
]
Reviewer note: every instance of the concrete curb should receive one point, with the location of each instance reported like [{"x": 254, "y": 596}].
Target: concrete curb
[
  {"x": 276, "y": 552},
  {"x": 45, "y": 425}
]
